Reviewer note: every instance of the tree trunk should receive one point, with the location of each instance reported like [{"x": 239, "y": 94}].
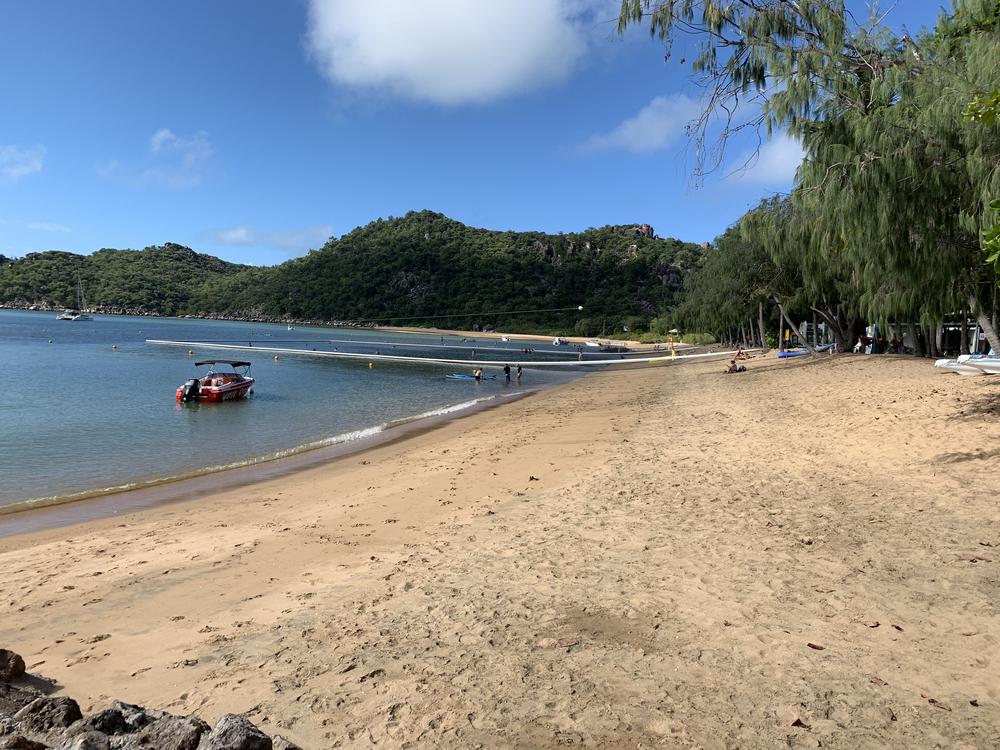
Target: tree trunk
[
  {"x": 918, "y": 346},
  {"x": 939, "y": 339},
  {"x": 834, "y": 327},
  {"x": 986, "y": 324},
  {"x": 788, "y": 321},
  {"x": 760, "y": 324},
  {"x": 963, "y": 347}
]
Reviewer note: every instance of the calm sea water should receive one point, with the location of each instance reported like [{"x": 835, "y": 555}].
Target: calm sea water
[{"x": 77, "y": 416}]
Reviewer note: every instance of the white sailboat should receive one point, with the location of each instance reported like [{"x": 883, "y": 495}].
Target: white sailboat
[{"x": 76, "y": 313}]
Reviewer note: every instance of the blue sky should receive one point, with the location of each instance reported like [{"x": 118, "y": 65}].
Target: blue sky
[{"x": 254, "y": 131}]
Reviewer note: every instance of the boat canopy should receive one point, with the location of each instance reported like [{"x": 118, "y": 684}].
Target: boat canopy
[{"x": 230, "y": 362}]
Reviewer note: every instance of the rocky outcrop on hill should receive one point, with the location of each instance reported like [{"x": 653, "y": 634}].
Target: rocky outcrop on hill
[
  {"x": 639, "y": 230},
  {"x": 32, "y": 720}
]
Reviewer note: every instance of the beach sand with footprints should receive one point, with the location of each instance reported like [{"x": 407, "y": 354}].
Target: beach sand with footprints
[{"x": 806, "y": 554}]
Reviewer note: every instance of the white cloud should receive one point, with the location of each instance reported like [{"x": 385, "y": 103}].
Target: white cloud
[
  {"x": 656, "y": 126},
  {"x": 173, "y": 161},
  {"x": 292, "y": 240},
  {"x": 449, "y": 51},
  {"x": 16, "y": 162},
  {"x": 190, "y": 150},
  {"x": 774, "y": 163},
  {"x": 46, "y": 226},
  {"x": 241, "y": 235},
  {"x": 297, "y": 240}
]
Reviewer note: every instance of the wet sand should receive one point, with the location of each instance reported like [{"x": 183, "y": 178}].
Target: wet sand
[{"x": 805, "y": 554}]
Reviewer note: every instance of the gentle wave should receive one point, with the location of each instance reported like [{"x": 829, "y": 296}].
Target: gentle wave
[{"x": 342, "y": 438}]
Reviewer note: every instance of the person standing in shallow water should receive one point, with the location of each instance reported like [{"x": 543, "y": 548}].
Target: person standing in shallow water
[
  {"x": 518, "y": 370},
  {"x": 506, "y": 372}
]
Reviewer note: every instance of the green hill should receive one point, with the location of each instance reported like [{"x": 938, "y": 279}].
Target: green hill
[
  {"x": 419, "y": 269},
  {"x": 162, "y": 280}
]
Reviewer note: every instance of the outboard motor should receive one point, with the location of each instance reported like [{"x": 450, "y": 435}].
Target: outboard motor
[{"x": 189, "y": 391}]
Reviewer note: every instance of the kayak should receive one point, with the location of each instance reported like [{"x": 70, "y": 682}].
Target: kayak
[
  {"x": 460, "y": 376},
  {"x": 792, "y": 353}
]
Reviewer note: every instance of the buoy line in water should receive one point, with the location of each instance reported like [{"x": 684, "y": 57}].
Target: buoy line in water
[
  {"x": 481, "y": 344},
  {"x": 659, "y": 359}
]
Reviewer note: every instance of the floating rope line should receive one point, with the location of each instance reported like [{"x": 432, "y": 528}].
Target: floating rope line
[
  {"x": 658, "y": 359},
  {"x": 481, "y": 345}
]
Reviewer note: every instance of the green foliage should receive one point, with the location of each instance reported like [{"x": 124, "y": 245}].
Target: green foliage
[
  {"x": 426, "y": 269},
  {"x": 158, "y": 279},
  {"x": 698, "y": 339},
  {"x": 736, "y": 274},
  {"x": 890, "y": 212},
  {"x": 991, "y": 238},
  {"x": 416, "y": 270},
  {"x": 984, "y": 109}
]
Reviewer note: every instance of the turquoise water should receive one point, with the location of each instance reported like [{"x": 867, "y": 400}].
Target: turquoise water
[{"x": 78, "y": 417}]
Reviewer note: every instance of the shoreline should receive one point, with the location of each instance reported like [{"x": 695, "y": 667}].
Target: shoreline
[
  {"x": 360, "y": 327},
  {"x": 42, "y": 514}
]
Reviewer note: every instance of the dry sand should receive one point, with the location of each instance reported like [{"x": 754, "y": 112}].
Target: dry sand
[{"x": 806, "y": 554}]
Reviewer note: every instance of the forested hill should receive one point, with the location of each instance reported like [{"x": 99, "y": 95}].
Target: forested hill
[
  {"x": 417, "y": 269},
  {"x": 161, "y": 280}
]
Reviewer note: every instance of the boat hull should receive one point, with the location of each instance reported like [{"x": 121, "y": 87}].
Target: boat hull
[
  {"x": 218, "y": 394},
  {"x": 989, "y": 366},
  {"x": 959, "y": 366}
]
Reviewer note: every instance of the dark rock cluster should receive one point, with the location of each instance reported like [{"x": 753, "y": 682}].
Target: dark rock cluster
[{"x": 32, "y": 720}]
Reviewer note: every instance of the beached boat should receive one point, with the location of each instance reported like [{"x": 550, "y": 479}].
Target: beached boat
[
  {"x": 988, "y": 365},
  {"x": 217, "y": 386},
  {"x": 558, "y": 341},
  {"x": 962, "y": 366}
]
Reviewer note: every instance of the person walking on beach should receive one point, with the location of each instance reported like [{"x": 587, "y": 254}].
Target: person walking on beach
[{"x": 506, "y": 372}]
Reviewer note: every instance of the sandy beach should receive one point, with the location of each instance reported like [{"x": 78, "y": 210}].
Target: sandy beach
[{"x": 804, "y": 555}]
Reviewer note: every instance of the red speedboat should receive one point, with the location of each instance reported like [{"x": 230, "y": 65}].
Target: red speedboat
[{"x": 218, "y": 386}]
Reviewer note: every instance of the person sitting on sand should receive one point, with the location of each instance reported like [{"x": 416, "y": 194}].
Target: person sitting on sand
[{"x": 733, "y": 367}]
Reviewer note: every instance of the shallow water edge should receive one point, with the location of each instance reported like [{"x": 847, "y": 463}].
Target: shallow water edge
[{"x": 56, "y": 512}]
